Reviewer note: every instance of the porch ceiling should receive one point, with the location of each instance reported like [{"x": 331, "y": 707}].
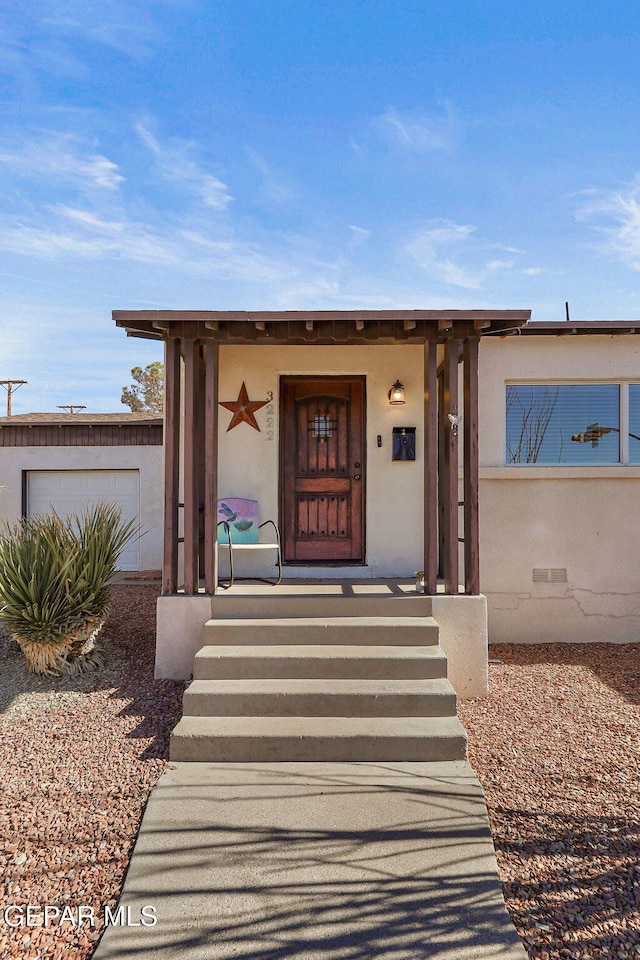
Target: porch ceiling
[{"x": 319, "y": 326}]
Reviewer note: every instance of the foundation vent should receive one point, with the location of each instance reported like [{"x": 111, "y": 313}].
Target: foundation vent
[{"x": 550, "y": 575}]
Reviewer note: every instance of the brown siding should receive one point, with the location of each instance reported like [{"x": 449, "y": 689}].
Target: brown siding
[{"x": 82, "y": 435}]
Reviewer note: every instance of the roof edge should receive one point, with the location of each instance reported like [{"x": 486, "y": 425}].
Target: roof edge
[{"x": 579, "y": 327}]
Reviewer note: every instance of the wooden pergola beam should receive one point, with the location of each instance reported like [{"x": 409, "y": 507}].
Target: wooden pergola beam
[
  {"x": 211, "y": 468},
  {"x": 431, "y": 467},
  {"x": 122, "y": 317},
  {"x": 471, "y": 467},
  {"x": 449, "y": 490},
  {"x": 190, "y": 472},
  {"x": 171, "y": 466},
  {"x": 321, "y": 327}
]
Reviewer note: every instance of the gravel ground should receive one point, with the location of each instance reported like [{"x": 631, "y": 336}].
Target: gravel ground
[
  {"x": 78, "y": 757},
  {"x": 556, "y": 748}
]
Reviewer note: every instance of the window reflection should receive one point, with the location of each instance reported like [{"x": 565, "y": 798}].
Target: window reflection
[
  {"x": 634, "y": 423},
  {"x": 572, "y": 423}
]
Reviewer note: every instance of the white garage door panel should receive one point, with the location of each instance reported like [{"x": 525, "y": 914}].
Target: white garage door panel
[{"x": 70, "y": 491}]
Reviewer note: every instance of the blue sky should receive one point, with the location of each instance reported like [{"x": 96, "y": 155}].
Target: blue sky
[{"x": 244, "y": 154}]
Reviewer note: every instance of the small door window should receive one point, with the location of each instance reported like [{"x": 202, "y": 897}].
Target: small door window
[{"x": 323, "y": 426}]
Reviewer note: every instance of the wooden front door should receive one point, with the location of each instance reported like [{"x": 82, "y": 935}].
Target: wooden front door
[{"x": 322, "y": 468}]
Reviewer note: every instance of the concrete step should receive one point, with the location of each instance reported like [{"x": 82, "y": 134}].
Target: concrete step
[
  {"x": 331, "y": 739},
  {"x": 298, "y": 602},
  {"x": 326, "y": 698},
  {"x": 407, "y": 631},
  {"x": 326, "y": 661}
]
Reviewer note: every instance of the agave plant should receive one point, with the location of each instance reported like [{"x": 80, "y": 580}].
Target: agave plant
[{"x": 53, "y": 581}]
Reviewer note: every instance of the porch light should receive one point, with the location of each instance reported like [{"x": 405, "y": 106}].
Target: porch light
[{"x": 396, "y": 394}]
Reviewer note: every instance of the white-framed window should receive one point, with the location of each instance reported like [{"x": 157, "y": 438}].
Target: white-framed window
[{"x": 572, "y": 424}]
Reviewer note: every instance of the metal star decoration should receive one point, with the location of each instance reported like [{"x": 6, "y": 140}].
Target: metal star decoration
[{"x": 243, "y": 409}]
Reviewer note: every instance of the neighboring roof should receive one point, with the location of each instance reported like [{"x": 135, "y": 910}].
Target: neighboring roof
[
  {"x": 564, "y": 328},
  {"x": 317, "y": 326},
  {"x": 81, "y": 419}
]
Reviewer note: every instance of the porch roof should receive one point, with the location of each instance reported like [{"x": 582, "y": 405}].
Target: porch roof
[{"x": 319, "y": 326}]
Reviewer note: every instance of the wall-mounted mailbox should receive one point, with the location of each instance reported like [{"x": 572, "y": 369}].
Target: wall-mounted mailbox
[{"x": 404, "y": 443}]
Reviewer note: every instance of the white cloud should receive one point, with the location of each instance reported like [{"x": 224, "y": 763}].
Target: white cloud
[
  {"x": 64, "y": 158},
  {"x": 425, "y": 249},
  {"x": 54, "y": 242},
  {"x": 277, "y": 187},
  {"x": 65, "y": 233},
  {"x": 125, "y": 26},
  {"x": 616, "y": 216},
  {"x": 415, "y": 132},
  {"x": 58, "y": 37},
  {"x": 176, "y": 164},
  {"x": 431, "y": 251},
  {"x": 494, "y": 265},
  {"x": 358, "y": 235}
]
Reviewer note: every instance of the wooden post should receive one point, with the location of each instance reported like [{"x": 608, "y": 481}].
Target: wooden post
[
  {"x": 191, "y": 578},
  {"x": 450, "y": 485},
  {"x": 171, "y": 465},
  {"x": 210, "y": 467},
  {"x": 471, "y": 467},
  {"x": 441, "y": 498},
  {"x": 200, "y": 454},
  {"x": 430, "y": 466}
]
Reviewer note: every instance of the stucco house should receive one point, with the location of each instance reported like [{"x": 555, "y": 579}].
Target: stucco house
[{"x": 65, "y": 461}]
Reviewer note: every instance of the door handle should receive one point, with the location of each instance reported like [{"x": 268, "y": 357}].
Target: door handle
[{"x": 356, "y": 476}]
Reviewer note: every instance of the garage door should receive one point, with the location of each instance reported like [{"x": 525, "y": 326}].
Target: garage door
[{"x": 69, "y": 491}]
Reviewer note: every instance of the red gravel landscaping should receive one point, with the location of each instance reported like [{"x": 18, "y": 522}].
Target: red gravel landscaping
[
  {"x": 557, "y": 749},
  {"x": 555, "y": 746},
  {"x": 78, "y": 758}
]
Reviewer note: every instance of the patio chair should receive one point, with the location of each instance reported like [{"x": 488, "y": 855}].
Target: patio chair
[{"x": 239, "y": 530}]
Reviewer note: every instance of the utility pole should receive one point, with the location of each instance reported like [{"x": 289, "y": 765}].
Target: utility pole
[
  {"x": 72, "y": 407},
  {"x": 9, "y": 386}
]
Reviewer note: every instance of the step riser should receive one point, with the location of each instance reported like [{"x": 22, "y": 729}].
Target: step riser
[
  {"x": 301, "y": 634},
  {"x": 411, "y": 605},
  {"x": 318, "y": 705},
  {"x": 217, "y": 749},
  {"x": 310, "y": 668}
]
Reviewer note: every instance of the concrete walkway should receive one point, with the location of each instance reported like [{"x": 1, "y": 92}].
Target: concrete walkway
[{"x": 315, "y": 861}]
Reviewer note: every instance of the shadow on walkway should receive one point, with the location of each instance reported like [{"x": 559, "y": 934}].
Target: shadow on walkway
[{"x": 315, "y": 860}]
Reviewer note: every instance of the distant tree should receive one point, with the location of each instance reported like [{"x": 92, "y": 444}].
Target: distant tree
[{"x": 147, "y": 393}]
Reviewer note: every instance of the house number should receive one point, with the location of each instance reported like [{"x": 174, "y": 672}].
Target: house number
[{"x": 269, "y": 411}]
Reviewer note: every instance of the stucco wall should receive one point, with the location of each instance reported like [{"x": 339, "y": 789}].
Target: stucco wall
[
  {"x": 249, "y": 460},
  {"x": 146, "y": 459},
  {"x": 584, "y": 519}
]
